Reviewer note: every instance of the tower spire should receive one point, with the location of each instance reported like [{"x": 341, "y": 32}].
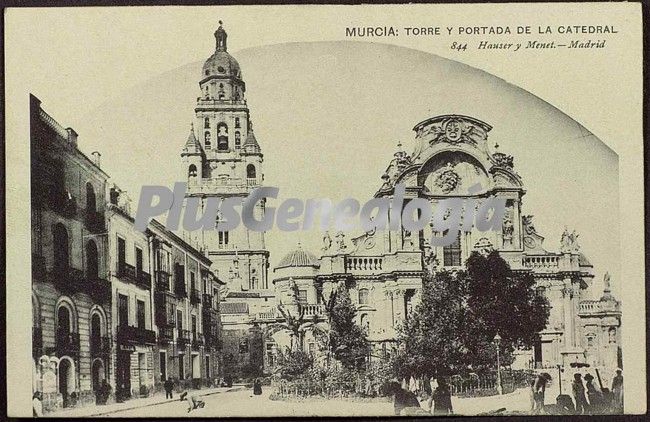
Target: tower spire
[{"x": 220, "y": 36}]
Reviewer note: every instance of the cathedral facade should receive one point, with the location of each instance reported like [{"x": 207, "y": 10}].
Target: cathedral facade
[{"x": 452, "y": 158}]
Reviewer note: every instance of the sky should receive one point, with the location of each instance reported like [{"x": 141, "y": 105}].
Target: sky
[{"x": 327, "y": 114}]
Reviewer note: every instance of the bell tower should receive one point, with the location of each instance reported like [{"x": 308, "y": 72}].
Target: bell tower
[{"x": 223, "y": 159}]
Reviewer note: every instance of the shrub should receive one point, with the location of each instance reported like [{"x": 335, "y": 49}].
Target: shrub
[{"x": 292, "y": 364}]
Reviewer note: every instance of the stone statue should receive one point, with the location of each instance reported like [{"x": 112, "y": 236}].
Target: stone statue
[
  {"x": 508, "y": 227},
  {"x": 569, "y": 241},
  {"x": 606, "y": 282},
  {"x": 527, "y": 221},
  {"x": 327, "y": 242},
  {"x": 340, "y": 242}
]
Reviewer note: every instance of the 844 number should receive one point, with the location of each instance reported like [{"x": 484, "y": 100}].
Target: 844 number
[{"x": 458, "y": 46}]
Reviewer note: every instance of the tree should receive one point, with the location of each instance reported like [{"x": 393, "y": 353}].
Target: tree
[
  {"x": 453, "y": 327},
  {"x": 348, "y": 341},
  {"x": 293, "y": 322}
]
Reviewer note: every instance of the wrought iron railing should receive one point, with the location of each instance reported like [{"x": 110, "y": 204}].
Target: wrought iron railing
[
  {"x": 144, "y": 279},
  {"x": 184, "y": 337},
  {"x": 126, "y": 271},
  {"x": 197, "y": 340},
  {"x": 195, "y": 296},
  {"x": 166, "y": 334},
  {"x": 98, "y": 288},
  {"x": 67, "y": 342},
  {"x": 135, "y": 335},
  {"x": 95, "y": 221},
  {"x": 100, "y": 345},
  {"x": 162, "y": 281}
]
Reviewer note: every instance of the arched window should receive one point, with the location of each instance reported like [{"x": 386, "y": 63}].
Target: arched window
[
  {"x": 92, "y": 264},
  {"x": 222, "y": 137},
  {"x": 64, "y": 325},
  {"x": 91, "y": 200},
  {"x": 208, "y": 142},
  {"x": 237, "y": 139},
  {"x": 95, "y": 327},
  {"x": 61, "y": 252},
  {"x": 206, "y": 123},
  {"x": 191, "y": 172},
  {"x": 237, "y": 124},
  {"x": 363, "y": 297},
  {"x": 250, "y": 171}
]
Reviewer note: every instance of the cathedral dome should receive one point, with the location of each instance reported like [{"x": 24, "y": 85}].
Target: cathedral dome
[
  {"x": 221, "y": 64},
  {"x": 298, "y": 258}
]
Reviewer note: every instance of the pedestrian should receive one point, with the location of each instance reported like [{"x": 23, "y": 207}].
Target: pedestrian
[
  {"x": 531, "y": 392},
  {"x": 257, "y": 387},
  {"x": 539, "y": 389},
  {"x": 617, "y": 391},
  {"x": 579, "y": 395},
  {"x": 105, "y": 391},
  {"x": 193, "y": 401},
  {"x": 442, "y": 398},
  {"x": 594, "y": 396},
  {"x": 169, "y": 388},
  {"x": 37, "y": 404},
  {"x": 404, "y": 401}
]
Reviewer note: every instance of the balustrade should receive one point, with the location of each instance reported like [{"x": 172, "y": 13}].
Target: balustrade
[{"x": 365, "y": 263}]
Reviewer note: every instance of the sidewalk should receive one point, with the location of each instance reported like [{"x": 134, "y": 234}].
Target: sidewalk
[{"x": 158, "y": 398}]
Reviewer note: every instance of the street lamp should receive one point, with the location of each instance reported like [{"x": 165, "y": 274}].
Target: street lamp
[{"x": 497, "y": 340}]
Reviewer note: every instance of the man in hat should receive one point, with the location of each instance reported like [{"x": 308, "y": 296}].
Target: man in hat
[
  {"x": 539, "y": 388},
  {"x": 579, "y": 394},
  {"x": 594, "y": 396}
]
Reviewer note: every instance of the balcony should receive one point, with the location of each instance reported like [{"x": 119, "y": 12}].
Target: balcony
[
  {"x": 179, "y": 288},
  {"x": 144, "y": 280},
  {"x": 207, "y": 302},
  {"x": 38, "y": 267},
  {"x": 63, "y": 204},
  {"x": 197, "y": 340},
  {"x": 162, "y": 281},
  {"x": 135, "y": 335},
  {"x": 165, "y": 313},
  {"x": 126, "y": 272},
  {"x": 183, "y": 337},
  {"x": 99, "y": 289},
  {"x": 37, "y": 341},
  {"x": 195, "y": 297},
  {"x": 67, "y": 279},
  {"x": 100, "y": 346},
  {"x": 165, "y": 334},
  {"x": 67, "y": 343},
  {"x": 95, "y": 221}
]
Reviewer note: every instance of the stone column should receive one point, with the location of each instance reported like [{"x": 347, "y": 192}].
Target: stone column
[
  {"x": 569, "y": 330},
  {"x": 516, "y": 221}
]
